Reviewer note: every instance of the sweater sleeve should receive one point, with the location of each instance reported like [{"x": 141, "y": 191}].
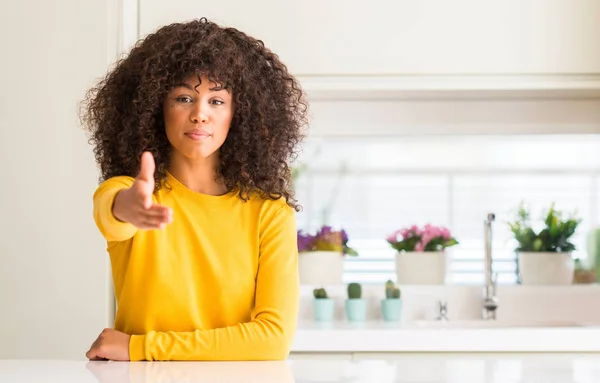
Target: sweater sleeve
[
  {"x": 111, "y": 228},
  {"x": 269, "y": 334}
]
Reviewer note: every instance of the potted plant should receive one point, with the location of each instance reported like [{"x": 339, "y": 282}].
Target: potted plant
[
  {"x": 391, "y": 306},
  {"x": 323, "y": 306},
  {"x": 420, "y": 254},
  {"x": 321, "y": 256},
  {"x": 356, "y": 306},
  {"x": 545, "y": 256}
]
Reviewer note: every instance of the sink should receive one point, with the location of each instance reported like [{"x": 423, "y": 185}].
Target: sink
[{"x": 487, "y": 324}]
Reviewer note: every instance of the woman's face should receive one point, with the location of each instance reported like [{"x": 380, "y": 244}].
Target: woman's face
[{"x": 197, "y": 117}]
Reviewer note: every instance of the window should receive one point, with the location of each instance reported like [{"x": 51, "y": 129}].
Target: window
[{"x": 371, "y": 187}]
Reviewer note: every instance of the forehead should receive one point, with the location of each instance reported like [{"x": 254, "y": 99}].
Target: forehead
[{"x": 202, "y": 81}]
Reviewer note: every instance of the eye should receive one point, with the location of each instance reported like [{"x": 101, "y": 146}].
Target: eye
[
  {"x": 216, "y": 102},
  {"x": 184, "y": 99}
]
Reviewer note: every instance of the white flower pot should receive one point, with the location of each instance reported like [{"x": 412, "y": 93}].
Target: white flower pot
[
  {"x": 541, "y": 268},
  {"x": 320, "y": 268},
  {"x": 421, "y": 268}
]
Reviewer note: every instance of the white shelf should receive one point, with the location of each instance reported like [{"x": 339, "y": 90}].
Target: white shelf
[
  {"x": 361, "y": 87},
  {"x": 378, "y": 336}
]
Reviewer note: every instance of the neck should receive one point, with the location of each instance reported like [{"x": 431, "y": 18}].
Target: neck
[{"x": 198, "y": 175}]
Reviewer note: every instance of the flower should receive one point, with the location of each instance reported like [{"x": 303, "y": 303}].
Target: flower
[
  {"x": 305, "y": 241},
  {"x": 428, "y": 238},
  {"x": 326, "y": 239}
]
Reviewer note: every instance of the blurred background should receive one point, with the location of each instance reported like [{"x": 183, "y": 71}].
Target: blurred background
[{"x": 420, "y": 112}]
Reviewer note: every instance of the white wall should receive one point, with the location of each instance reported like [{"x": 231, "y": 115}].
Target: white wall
[{"x": 54, "y": 274}]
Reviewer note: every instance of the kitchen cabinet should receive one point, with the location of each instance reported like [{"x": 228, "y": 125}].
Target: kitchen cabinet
[{"x": 408, "y": 38}]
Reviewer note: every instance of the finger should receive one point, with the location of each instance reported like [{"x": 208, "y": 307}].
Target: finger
[
  {"x": 147, "y": 168},
  {"x": 154, "y": 216},
  {"x": 146, "y": 175},
  {"x": 158, "y": 212},
  {"x": 91, "y": 354},
  {"x": 153, "y": 224}
]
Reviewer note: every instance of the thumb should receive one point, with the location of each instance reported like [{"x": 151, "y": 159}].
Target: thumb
[
  {"x": 147, "y": 168},
  {"x": 147, "y": 175}
]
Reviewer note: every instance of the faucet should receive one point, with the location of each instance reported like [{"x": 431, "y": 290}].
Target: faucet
[
  {"x": 443, "y": 311},
  {"x": 490, "y": 301}
]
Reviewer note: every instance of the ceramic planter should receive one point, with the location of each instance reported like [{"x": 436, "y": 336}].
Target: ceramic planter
[
  {"x": 356, "y": 310},
  {"x": 545, "y": 268},
  {"x": 421, "y": 268},
  {"x": 391, "y": 309},
  {"x": 320, "y": 268},
  {"x": 323, "y": 309}
]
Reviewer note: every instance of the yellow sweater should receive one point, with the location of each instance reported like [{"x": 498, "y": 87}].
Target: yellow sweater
[{"x": 218, "y": 283}]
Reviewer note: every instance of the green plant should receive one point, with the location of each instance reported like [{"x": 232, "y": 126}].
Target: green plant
[
  {"x": 553, "y": 237},
  {"x": 354, "y": 291},
  {"x": 391, "y": 291},
  {"x": 320, "y": 293}
]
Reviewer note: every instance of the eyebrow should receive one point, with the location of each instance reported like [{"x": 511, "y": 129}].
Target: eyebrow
[{"x": 192, "y": 88}]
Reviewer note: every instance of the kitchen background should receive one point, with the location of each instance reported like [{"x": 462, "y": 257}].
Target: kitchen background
[
  {"x": 371, "y": 186},
  {"x": 431, "y": 111}
]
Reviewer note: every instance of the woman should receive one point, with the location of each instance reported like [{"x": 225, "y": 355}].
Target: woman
[{"x": 193, "y": 132}]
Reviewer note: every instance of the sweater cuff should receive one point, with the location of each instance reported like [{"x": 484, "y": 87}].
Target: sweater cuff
[
  {"x": 111, "y": 221},
  {"x": 137, "y": 348}
]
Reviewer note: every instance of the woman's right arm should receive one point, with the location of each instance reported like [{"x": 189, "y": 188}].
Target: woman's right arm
[
  {"x": 123, "y": 205},
  {"x": 105, "y": 197}
]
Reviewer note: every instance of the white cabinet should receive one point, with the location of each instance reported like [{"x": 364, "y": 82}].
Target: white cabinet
[{"x": 406, "y": 37}]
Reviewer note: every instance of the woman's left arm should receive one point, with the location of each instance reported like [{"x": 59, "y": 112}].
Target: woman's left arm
[{"x": 269, "y": 335}]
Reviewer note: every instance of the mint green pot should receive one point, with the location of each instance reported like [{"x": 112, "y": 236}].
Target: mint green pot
[
  {"x": 356, "y": 310},
  {"x": 323, "y": 309},
  {"x": 391, "y": 309}
]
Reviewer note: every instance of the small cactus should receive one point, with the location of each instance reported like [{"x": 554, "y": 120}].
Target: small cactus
[
  {"x": 320, "y": 293},
  {"x": 354, "y": 291},
  {"x": 391, "y": 291}
]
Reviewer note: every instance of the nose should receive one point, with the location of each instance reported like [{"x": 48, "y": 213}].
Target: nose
[{"x": 198, "y": 115}]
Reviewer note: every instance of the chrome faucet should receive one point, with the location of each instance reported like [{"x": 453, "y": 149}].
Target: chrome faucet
[
  {"x": 490, "y": 301},
  {"x": 442, "y": 311}
]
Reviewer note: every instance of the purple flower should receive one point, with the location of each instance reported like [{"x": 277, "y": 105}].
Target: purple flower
[
  {"x": 326, "y": 239},
  {"x": 305, "y": 241},
  {"x": 344, "y": 237}
]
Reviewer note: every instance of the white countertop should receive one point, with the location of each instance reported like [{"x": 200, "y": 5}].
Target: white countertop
[
  {"x": 399, "y": 368},
  {"x": 378, "y": 336}
]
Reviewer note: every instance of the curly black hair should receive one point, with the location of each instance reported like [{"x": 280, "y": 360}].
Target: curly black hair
[{"x": 123, "y": 111}]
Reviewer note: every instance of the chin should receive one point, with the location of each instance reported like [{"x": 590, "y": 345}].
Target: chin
[{"x": 200, "y": 154}]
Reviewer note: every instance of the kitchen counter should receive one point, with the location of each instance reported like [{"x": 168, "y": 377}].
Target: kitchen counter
[
  {"x": 394, "y": 368},
  {"x": 378, "y": 336}
]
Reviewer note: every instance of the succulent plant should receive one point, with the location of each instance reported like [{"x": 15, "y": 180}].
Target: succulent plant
[
  {"x": 320, "y": 293},
  {"x": 553, "y": 237},
  {"x": 354, "y": 291},
  {"x": 391, "y": 291}
]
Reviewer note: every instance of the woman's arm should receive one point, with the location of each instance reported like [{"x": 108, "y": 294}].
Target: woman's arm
[
  {"x": 110, "y": 227},
  {"x": 122, "y": 205}
]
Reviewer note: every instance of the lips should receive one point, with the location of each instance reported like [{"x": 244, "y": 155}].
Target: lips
[{"x": 198, "y": 134}]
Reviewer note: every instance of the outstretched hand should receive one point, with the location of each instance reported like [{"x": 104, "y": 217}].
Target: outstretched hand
[{"x": 135, "y": 205}]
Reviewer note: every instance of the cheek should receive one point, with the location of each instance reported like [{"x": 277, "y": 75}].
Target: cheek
[
  {"x": 171, "y": 117},
  {"x": 224, "y": 125}
]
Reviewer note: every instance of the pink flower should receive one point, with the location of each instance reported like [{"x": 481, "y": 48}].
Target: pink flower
[
  {"x": 445, "y": 233},
  {"x": 419, "y": 246},
  {"x": 393, "y": 238},
  {"x": 415, "y": 230}
]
